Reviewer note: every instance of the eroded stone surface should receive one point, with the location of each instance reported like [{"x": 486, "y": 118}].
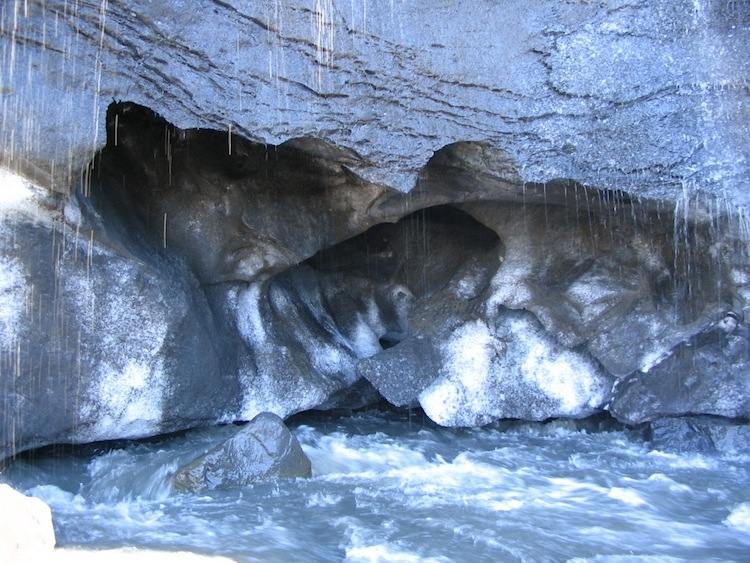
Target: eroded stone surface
[{"x": 646, "y": 96}]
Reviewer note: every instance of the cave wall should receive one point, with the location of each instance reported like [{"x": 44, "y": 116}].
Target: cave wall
[
  {"x": 184, "y": 284},
  {"x": 202, "y": 260},
  {"x": 649, "y": 97}
]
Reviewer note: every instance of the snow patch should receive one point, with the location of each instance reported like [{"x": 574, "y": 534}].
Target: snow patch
[
  {"x": 21, "y": 199},
  {"x": 513, "y": 371},
  {"x": 129, "y": 400},
  {"x": 365, "y": 342},
  {"x": 465, "y": 374},
  {"x": 568, "y": 377}
]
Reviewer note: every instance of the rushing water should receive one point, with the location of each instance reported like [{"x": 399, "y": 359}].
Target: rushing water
[{"x": 388, "y": 487}]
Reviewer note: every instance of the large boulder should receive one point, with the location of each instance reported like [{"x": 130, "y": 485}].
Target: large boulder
[
  {"x": 25, "y": 526},
  {"x": 263, "y": 449},
  {"x": 707, "y": 374},
  {"x": 102, "y": 338},
  {"x": 699, "y": 435}
]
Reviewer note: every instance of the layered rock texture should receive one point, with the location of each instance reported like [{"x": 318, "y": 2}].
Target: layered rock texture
[
  {"x": 645, "y": 96},
  {"x": 485, "y": 212}
]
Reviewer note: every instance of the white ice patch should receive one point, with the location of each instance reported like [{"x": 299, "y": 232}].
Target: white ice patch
[
  {"x": 15, "y": 192},
  {"x": 373, "y": 317},
  {"x": 520, "y": 373},
  {"x": 126, "y": 331},
  {"x": 129, "y": 399},
  {"x": 509, "y": 285},
  {"x": 464, "y": 382},
  {"x": 563, "y": 375},
  {"x": 249, "y": 320},
  {"x": 593, "y": 295},
  {"x": 272, "y": 381},
  {"x": 262, "y": 392},
  {"x": 739, "y": 518},
  {"x": 21, "y": 199},
  {"x": 365, "y": 342}
]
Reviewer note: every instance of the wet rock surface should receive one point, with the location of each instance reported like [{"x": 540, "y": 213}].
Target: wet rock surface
[
  {"x": 707, "y": 435},
  {"x": 263, "y": 449},
  {"x": 706, "y": 374}
]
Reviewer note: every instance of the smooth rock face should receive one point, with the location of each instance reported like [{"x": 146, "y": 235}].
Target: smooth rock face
[
  {"x": 647, "y": 96},
  {"x": 708, "y": 374},
  {"x": 105, "y": 338},
  {"x": 263, "y": 449},
  {"x": 25, "y": 526}
]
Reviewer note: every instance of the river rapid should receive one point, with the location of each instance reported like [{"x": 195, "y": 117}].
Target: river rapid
[{"x": 393, "y": 487}]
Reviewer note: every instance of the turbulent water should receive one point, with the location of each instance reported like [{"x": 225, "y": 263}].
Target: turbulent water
[{"x": 391, "y": 487}]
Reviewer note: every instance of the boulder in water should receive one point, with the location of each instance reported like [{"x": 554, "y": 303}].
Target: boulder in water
[{"x": 264, "y": 449}]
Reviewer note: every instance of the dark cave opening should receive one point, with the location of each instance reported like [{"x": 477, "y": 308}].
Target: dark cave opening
[{"x": 422, "y": 251}]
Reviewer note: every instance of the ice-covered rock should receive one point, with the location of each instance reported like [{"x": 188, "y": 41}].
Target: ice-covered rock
[
  {"x": 101, "y": 339},
  {"x": 512, "y": 370}
]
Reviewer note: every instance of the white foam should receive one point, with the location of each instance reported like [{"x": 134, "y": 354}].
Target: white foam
[
  {"x": 739, "y": 518},
  {"x": 381, "y": 552},
  {"x": 334, "y": 456},
  {"x": 628, "y": 496},
  {"x": 366, "y": 546},
  {"x": 322, "y": 499},
  {"x": 58, "y": 498}
]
